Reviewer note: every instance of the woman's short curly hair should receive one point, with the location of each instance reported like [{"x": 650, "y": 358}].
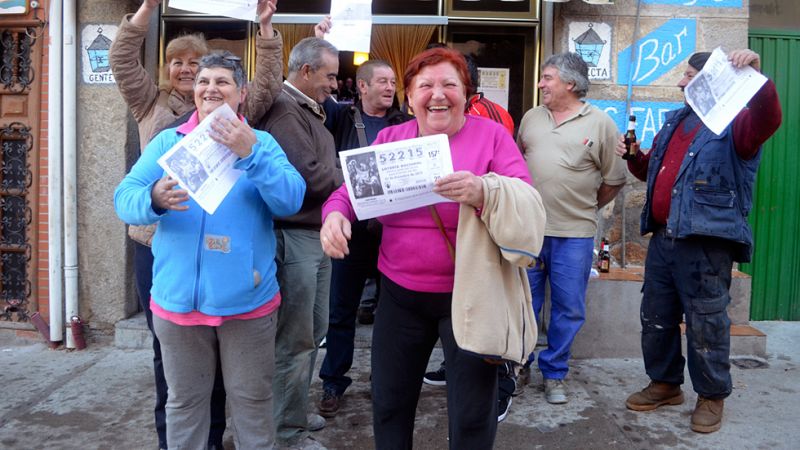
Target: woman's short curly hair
[
  {"x": 434, "y": 56},
  {"x": 188, "y": 43}
]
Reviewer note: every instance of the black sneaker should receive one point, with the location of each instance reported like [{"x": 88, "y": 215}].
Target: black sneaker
[
  {"x": 435, "y": 378},
  {"x": 503, "y": 406}
]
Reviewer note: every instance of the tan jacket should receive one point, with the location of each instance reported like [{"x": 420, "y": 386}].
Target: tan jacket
[
  {"x": 492, "y": 312},
  {"x": 154, "y": 109}
]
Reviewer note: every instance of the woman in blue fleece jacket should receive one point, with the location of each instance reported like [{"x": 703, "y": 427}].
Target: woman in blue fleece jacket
[{"x": 214, "y": 274}]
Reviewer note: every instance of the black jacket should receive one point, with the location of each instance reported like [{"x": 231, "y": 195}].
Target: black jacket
[{"x": 342, "y": 124}]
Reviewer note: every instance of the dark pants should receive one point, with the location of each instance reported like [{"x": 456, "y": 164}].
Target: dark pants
[
  {"x": 689, "y": 277},
  {"x": 143, "y": 270},
  {"x": 347, "y": 283},
  {"x": 406, "y": 328}
]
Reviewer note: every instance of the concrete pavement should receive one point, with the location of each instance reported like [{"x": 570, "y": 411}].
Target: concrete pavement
[{"x": 101, "y": 398}]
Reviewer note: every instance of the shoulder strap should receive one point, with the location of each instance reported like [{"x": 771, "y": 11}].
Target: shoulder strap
[
  {"x": 440, "y": 225},
  {"x": 360, "y": 128}
]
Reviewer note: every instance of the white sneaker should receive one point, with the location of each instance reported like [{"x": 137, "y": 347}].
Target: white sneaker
[
  {"x": 503, "y": 406},
  {"x": 555, "y": 391},
  {"x": 308, "y": 443},
  {"x": 315, "y": 422}
]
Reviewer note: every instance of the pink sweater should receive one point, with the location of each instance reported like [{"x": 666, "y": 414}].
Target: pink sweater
[{"x": 413, "y": 253}]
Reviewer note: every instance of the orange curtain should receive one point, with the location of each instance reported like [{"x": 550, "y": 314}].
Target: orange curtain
[
  {"x": 292, "y": 34},
  {"x": 397, "y": 44}
]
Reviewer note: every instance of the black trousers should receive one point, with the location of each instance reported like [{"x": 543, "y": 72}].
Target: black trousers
[
  {"x": 407, "y": 325},
  {"x": 143, "y": 270},
  {"x": 347, "y": 283},
  {"x": 688, "y": 278}
]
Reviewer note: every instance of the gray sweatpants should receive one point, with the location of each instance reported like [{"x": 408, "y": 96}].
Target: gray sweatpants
[{"x": 247, "y": 355}]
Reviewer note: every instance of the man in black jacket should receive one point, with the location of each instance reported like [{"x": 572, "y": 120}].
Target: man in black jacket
[{"x": 354, "y": 126}]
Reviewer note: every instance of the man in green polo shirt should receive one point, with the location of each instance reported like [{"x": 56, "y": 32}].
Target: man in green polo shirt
[{"x": 569, "y": 146}]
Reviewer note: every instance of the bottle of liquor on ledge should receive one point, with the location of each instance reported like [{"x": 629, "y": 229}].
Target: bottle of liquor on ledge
[
  {"x": 604, "y": 259},
  {"x": 631, "y": 146}
]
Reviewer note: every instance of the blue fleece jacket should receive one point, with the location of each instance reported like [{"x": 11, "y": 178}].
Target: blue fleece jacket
[{"x": 221, "y": 264}]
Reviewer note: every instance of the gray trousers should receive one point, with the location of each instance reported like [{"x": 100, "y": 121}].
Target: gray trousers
[
  {"x": 304, "y": 274},
  {"x": 247, "y": 355}
]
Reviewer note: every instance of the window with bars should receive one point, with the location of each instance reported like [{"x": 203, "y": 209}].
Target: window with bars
[
  {"x": 15, "y": 219},
  {"x": 19, "y": 60}
]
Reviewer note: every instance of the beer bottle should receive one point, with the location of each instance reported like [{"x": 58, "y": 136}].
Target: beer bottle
[
  {"x": 631, "y": 146},
  {"x": 604, "y": 261}
]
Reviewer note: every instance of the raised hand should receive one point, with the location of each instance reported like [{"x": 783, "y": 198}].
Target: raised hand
[
  {"x": 323, "y": 27},
  {"x": 745, "y": 57},
  {"x": 265, "y": 10}
]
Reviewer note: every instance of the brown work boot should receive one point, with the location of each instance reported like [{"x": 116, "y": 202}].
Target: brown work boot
[
  {"x": 654, "y": 395},
  {"x": 707, "y": 415},
  {"x": 329, "y": 404}
]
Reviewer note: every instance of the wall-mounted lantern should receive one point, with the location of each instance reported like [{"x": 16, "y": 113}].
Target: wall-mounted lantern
[
  {"x": 589, "y": 46},
  {"x": 98, "y": 52}
]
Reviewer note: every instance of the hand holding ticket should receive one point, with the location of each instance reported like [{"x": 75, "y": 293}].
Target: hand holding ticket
[
  {"x": 461, "y": 187},
  {"x": 724, "y": 86},
  {"x": 398, "y": 176}
]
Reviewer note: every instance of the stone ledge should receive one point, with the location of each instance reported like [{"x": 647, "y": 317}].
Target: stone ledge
[
  {"x": 612, "y": 328},
  {"x": 133, "y": 333}
]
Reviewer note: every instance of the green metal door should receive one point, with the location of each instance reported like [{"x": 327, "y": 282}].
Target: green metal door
[{"x": 776, "y": 212}]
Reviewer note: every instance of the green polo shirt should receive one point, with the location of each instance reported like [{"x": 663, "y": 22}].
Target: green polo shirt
[{"x": 568, "y": 163}]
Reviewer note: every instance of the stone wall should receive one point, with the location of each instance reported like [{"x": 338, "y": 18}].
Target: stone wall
[
  {"x": 105, "y": 275},
  {"x": 775, "y": 14},
  {"x": 668, "y": 34}
]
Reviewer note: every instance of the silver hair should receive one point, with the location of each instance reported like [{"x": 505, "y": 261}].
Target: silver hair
[
  {"x": 225, "y": 60},
  {"x": 309, "y": 51},
  {"x": 571, "y": 69}
]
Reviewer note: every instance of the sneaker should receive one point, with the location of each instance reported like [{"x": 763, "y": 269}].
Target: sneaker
[
  {"x": 366, "y": 314},
  {"x": 308, "y": 443},
  {"x": 654, "y": 395},
  {"x": 555, "y": 391},
  {"x": 315, "y": 422},
  {"x": 707, "y": 415},
  {"x": 503, "y": 406},
  {"x": 436, "y": 378},
  {"x": 329, "y": 404}
]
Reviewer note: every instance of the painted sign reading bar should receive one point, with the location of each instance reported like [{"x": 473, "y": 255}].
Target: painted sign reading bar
[
  {"x": 658, "y": 52},
  {"x": 700, "y": 3},
  {"x": 649, "y": 116}
]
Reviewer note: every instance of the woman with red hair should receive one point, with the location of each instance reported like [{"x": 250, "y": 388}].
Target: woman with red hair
[{"x": 417, "y": 268}]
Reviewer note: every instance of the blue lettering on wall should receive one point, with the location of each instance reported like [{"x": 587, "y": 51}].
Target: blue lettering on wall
[
  {"x": 709, "y": 3},
  {"x": 649, "y": 116},
  {"x": 658, "y": 52}
]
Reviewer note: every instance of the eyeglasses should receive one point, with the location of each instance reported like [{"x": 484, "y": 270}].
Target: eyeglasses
[{"x": 232, "y": 58}]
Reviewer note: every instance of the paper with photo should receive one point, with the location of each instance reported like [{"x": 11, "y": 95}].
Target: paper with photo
[
  {"x": 238, "y": 9},
  {"x": 351, "y": 25},
  {"x": 719, "y": 91},
  {"x": 396, "y": 176},
  {"x": 201, "y": 165}
]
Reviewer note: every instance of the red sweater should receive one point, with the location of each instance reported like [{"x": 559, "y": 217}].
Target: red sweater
[{"x": 751, "y": 128}]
